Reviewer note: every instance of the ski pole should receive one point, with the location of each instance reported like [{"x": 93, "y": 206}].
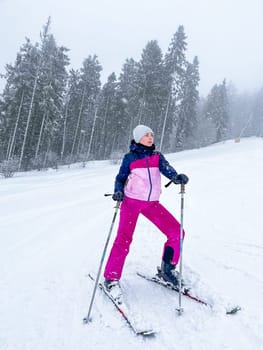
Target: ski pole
[
  {"x": 182, "y": 192},
  {"x": 87, "y": 318}
]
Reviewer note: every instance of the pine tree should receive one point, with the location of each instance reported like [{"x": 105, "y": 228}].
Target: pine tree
[
  {"x": 187, "y": 114},
  {"x": 217, "y": 111},
  {"x": 106, "y": 123},
  {"x": 205, "y": 131},
  {"x": 32, "y": 99},
  {"x": 175, "y": 67},
  {"x": 51, "y": 90},
  {"x": 16, "y": 107},
  {"x": 129, "y": 101},
  {"x": 70, "y": 111},
  {"x": 152, "y": 88},
  {"x": 84, "y": 89}
]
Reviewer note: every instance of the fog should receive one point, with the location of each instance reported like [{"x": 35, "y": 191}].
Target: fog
[{"x": 225, "y": 35}]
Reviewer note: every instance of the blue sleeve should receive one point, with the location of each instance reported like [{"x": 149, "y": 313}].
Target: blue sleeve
[
  {"x": 165, "y": 168},
  {"x": 123, "y": 174}
]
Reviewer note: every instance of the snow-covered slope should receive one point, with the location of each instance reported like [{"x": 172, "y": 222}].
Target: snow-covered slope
[{"x": 53, "y": 227}]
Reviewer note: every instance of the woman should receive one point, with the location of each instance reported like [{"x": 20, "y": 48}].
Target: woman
[{"x": 138, "y": 186}]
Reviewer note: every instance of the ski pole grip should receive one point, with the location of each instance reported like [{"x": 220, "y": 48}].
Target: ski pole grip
[
  {"x": 182, "y": 186},
  {"x": 107, "y": 194},
  {"x": 168, "y": 183}
]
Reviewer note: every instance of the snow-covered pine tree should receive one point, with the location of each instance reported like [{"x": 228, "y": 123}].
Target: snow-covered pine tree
[
  {"x": 216, "y": 110},
  {"x": 82, "y": 107},
  {"x": 187, "y": 114},
  {"x": 152, "y": 87},
  {"x": 175, "y": 67},
  {"x": 106, "y": 119},
  {"x": 128, "y": 101},
  {"x": 32, "y": 99},
  {"x": 49, "y": 102},
  {"x": 16, "y": 104}
]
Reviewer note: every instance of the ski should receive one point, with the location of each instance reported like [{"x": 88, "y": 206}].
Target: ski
[
  {"x": 186, "y": 292},
  {"x": 124, "y": 311}
]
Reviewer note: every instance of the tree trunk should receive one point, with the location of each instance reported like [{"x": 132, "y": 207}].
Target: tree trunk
[
  {"x": 165, "y": 120},
  {"x": 64, "y": 133},
  {"x": 10, "y": 151},
  {"x": 91, "y": 136},
  {"x": 40, "y": 135},
  {"x": 103, "y": 130},
  {"x": 78, "y": 122},
  {"x": 28, "y": 118}
]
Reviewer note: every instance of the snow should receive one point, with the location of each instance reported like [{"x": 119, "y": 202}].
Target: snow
[{"x": 53, "y": 228}]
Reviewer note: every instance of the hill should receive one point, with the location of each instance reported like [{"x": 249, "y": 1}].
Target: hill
[{"x": 53, "y": 227}]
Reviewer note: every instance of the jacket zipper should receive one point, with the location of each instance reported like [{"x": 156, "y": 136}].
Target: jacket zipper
[{"x": 150, "y": 179}]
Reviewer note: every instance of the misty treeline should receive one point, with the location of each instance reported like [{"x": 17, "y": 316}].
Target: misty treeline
[{"x": 50, "y": 115}]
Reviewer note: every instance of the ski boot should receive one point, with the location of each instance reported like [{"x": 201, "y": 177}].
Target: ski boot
[
  {"x": 168, "y": 273},
  {"x": 167, "y": 270},
  {"x": 114, "y": 289}
]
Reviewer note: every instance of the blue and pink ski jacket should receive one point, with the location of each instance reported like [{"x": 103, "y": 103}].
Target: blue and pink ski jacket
[{"x": 139, "y": 176}]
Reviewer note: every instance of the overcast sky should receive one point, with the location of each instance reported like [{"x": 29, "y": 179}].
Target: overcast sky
[{"x": 226, "y": 35}]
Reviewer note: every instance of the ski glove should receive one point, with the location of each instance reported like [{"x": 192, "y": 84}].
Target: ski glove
[
  {"x": 180, "y": 179},
  {"x": 117, "y": 196}
]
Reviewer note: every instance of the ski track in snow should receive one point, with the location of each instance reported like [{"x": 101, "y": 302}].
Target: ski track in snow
[{"x": 53, "y": 227}]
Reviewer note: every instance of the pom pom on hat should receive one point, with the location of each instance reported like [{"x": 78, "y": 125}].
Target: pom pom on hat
[{"x": 140, "y": 131}]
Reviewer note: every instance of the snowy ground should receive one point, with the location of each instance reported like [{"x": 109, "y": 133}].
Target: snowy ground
[{"x": 53, "y": 227}]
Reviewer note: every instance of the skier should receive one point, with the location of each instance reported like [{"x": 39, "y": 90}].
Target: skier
[{"x": 138, "y": 187}]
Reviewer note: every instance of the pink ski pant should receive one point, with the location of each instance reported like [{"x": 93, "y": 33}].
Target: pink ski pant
[{"x": 129, "y": 212}]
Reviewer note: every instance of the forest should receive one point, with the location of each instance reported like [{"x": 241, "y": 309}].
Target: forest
[{"x": 51, "y": 115}]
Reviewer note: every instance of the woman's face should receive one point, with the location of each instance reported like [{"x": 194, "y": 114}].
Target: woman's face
[{"x": 147, "y": 139}]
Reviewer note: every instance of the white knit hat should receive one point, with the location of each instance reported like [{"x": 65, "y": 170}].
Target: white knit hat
[{"x": 140, "y": 131}]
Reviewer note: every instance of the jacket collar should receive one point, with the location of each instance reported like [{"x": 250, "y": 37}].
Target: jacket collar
[{"x": 139, "y": 148}]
